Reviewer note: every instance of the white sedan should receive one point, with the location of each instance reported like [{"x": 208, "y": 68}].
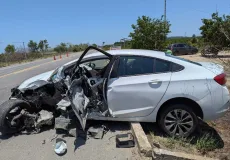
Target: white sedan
[{"x": 142, "y": 86}]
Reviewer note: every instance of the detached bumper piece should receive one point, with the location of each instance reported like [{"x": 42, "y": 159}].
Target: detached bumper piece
[{"x": 125, "y": 140}]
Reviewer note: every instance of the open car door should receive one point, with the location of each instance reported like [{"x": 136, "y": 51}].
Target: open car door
[{"x": 79, "y": 89}]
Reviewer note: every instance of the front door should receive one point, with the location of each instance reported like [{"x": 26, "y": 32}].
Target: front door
[{"x": 139, "y": 86}]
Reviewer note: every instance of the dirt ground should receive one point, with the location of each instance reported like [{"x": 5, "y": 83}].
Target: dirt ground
[{"x": 218, "y": 129}]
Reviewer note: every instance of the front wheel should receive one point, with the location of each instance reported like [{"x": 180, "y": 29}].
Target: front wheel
[
  {"x": 8, "y": 111},
  {"x": 178, "y": 120}
]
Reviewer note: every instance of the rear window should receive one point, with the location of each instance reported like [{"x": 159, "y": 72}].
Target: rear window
[
  {"x": 176, "y": 67},
  {"x": 182, "y": 59},
  {"x": 162, "y": 66}
]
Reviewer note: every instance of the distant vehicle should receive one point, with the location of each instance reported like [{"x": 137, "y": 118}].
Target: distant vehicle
[{"x": 182, "y": 49}]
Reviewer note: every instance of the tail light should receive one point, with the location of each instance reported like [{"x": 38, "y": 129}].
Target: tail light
[
  {"x": 171, "y": 47},
  {"x": 221, "y": 79}
]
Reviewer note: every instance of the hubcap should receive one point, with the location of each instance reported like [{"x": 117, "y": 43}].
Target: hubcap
[{"x": 178, "y": 122}]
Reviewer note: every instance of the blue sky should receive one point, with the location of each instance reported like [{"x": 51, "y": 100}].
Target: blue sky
[{"x": 95, "y": 21}]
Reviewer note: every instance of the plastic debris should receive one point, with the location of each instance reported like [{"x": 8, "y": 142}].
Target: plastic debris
[
  {"x": 73, "y": 132},
  {"x": 125, "y": 140},
  {"x": 62, "y": 123},
  {"x": 45, "y": 118},
  {"x": 97, "y": 132},
  {"x": 60, "y": 147}
]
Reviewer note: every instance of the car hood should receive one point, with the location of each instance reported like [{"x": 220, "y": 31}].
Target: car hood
[
  {"x": 213, "y": 67},
  {"x": 44, "y": 76}
]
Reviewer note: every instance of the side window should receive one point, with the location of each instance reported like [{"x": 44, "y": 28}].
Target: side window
[
  {"x": 176, "y": 67},
  {"x": 162, "y": 66},
  {"x": 97, "y": 64},
  {"x": 135, "y": 65}
]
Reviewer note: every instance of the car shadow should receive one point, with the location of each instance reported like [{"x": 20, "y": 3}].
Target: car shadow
[
  {"x": 202, "y": 131},
  {"x": 111, "y": 126}
]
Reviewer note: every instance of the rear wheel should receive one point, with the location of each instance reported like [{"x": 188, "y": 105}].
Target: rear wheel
[
  {"x": 178, "y": 120},
  {"x": 8, "y": 111}
]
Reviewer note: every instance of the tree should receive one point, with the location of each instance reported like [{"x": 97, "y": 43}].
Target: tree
[
  {"x": 216, "y": 31},
  {"x": 94, "y": 45},
  {"x": 32, "y": 46},
  {"x": 194, "y": 39},
  {"x": 46, "y": 45},
  {"x": 10, "y": 49},
  {"x": 149, "y": 33},
  {"x": 41, "y": 46},
  {"x": 62, "y": 47}
]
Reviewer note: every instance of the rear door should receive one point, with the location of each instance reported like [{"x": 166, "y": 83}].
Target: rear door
[{"x": 139, "y": 86}]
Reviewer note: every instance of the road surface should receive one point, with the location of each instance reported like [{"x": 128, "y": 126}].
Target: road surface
[
  {"x": 38, "y": 146},
  {"x": 14, "y": 75}
]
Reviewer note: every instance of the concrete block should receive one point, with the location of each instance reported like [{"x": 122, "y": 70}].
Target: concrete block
[{"x": 141, "y": 139}]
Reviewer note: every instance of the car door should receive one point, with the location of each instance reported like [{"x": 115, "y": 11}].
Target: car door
[
  {"x": 76, "y": 93},
  {"x": 139, "y": 86}
]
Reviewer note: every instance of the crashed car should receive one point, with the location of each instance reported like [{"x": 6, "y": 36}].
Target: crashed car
[{"x": 122, "y": 85}]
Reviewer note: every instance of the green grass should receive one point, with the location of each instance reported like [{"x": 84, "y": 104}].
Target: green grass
[
  {"x": 207, "y": 143},
  {"x": 202, "y": 143}
]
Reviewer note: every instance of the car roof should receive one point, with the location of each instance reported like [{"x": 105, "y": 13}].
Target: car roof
[{"x": 136, "y": 52}]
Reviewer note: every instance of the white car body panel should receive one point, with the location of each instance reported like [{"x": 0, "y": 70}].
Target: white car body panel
[
  {"x": 133, "y": 99},
  {"x": 136, "y": 96}
]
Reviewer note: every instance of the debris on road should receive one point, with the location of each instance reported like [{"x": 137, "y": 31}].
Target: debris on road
[
  {"x": 73, "y": 132},
  {"x": 97, "y": 132},
  {"x": 45, "y": 118},
  {"x": 60, "y": 147},
  {"x": 125, "y": 140},
  {"x": 62, "y": 123}
]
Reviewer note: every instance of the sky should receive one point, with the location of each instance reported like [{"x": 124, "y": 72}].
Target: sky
[{"x": 96, "y": 21}]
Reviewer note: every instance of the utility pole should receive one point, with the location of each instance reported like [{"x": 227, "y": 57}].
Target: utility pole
[
  {"x": 165, "y": 13},
  {"x": 165, "y": 18},
  {"x": 24, "y": 49}
]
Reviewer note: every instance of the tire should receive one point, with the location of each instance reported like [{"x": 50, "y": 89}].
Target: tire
[
  {"x": 176, "y": 53},
  {"x": 184, "y": 123},
  {"x": 5, "y": 108}
]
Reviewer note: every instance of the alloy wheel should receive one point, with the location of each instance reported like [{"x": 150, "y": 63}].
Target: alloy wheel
[{"x": 178, "y": 122}]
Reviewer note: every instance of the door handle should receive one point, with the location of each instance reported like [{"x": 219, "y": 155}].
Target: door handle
[{"x": 156, "y": 81}]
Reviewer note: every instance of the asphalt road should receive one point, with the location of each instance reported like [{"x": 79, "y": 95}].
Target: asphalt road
[
  {"x": 38, "y": 146},
  {"x": 14, "y": 75}
]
